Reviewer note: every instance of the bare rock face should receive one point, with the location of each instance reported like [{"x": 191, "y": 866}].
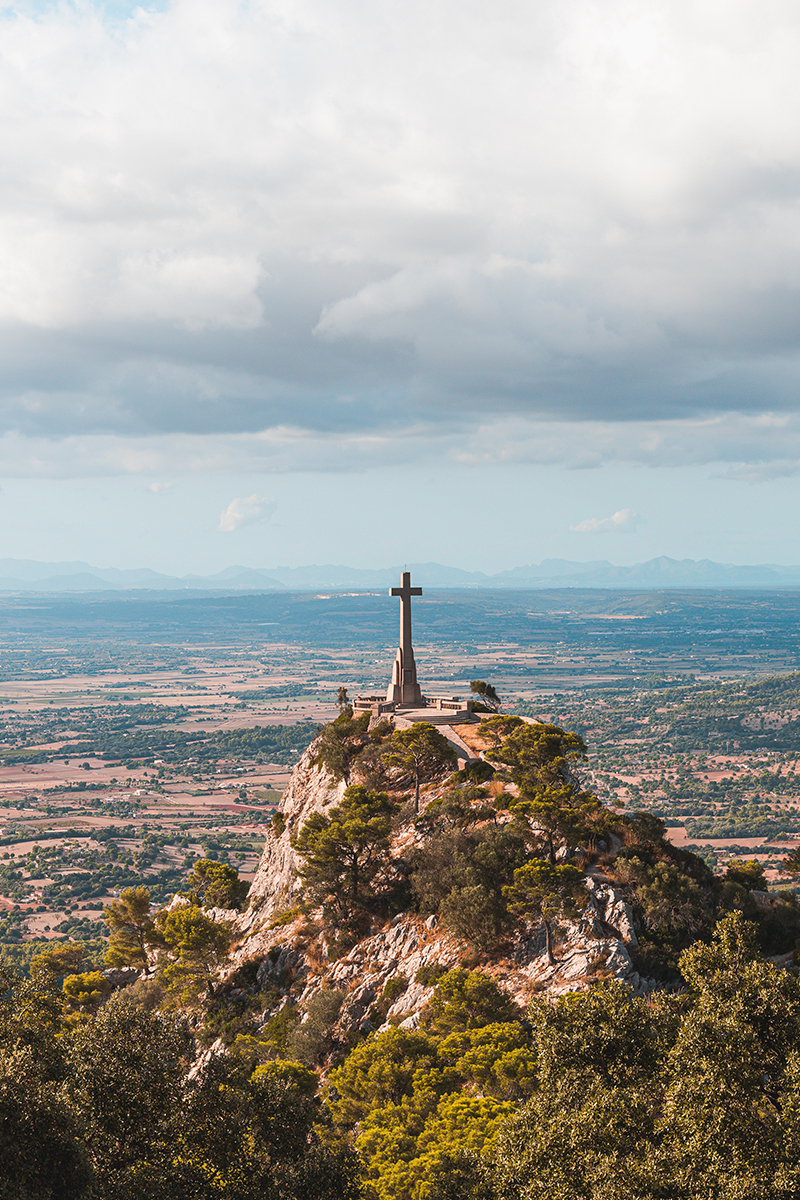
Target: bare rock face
[
  {"x": 295, "y": 960},
  {"x": 295, "y": 963},
  {"x": 311, "y": 789},
  {"x": 612, "y": 911},
  {"x": 120, "y": 977},
  {"x": 396, "y": 953}
]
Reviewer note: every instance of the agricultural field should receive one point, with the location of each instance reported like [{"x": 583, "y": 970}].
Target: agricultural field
[
  {"x": 718, "y": 760},
  {"x": 137, "y": 735},
  {"x": 108, "y": 783}
]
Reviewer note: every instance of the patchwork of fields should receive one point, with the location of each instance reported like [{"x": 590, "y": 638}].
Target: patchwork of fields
[{"x": 138, "y": 734}]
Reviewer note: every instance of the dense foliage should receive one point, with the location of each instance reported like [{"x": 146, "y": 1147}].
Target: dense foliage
[
  {"x": 408, "y": 1097},
  {"x": 599, "y": 1094},
  {"x": 108, "y": 1110},
  {"x": 691, "y": 1093},
  {"x": 696, "y": 1096}
]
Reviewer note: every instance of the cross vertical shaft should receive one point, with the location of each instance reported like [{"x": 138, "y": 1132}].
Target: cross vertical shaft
[
  {"x": 405, "y": 592},
  {"x": 404, "y": 688}
]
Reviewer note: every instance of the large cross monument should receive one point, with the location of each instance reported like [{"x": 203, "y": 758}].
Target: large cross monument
[{"x": 404, "y": 689}]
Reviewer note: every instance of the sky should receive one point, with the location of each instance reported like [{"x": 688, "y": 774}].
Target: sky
[{"x": 359, "y": 282}]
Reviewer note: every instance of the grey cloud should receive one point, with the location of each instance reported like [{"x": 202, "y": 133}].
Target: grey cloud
[
  {"x": 749, "y": 448},
  {"x": 351, "y": 235},
  {"x": 762, "y": 472}
]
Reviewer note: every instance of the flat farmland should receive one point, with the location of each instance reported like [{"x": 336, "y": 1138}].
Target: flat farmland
[
  {"x": 138, "y": 733},
  {"x": 110, "y": 780}
]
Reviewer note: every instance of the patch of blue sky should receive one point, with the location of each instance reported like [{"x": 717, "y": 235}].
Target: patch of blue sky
[{"x": 111, "y": 10}]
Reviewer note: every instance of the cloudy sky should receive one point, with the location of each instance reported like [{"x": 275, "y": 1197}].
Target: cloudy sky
[{"x": 294, "y": 281}]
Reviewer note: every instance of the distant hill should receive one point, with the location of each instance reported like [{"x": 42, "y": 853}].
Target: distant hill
[{"x": 25, "y": 575}]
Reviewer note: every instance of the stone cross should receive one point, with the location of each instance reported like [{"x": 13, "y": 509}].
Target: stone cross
[
  {"x": 404, "y": 688},
  {"x": 405, "y": 592}
]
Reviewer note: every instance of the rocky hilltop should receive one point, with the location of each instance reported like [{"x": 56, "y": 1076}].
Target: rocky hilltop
[
  {"x": 441, "y": 987},
  {"x": 386, "y": 976}
]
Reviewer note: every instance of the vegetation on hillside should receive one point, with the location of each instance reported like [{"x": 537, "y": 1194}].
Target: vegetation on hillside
[
  {"x": 598, "y": 1094},
  {"x": 692, "y": 1092},
  {"x": 107, "y": 1110}
]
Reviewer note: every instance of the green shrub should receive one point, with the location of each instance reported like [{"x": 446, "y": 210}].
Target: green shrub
[
  {"x": 430, "y": 973},
  {"x": 313, "y": 1039},
  {"x": 285, "y": 917},
  {"x": 394, "y": 988}
]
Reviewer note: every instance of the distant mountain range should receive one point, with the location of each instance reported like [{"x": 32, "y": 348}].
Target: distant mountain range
[{"x": 24, "y": 575}]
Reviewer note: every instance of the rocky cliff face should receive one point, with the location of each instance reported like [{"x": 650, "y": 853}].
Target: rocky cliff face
[
  {"x": 294, "y": 958},
  {"x": 275, "y": 885}
]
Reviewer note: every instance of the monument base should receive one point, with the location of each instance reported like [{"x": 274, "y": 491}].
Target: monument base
[
  {"x": 404, "y": 689},
  {"x": 435, "y": 709}
]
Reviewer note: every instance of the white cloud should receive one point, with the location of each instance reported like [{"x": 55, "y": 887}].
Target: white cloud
[
  {"x": 245, "y": 510},
  {"x": 159, "y": 488},
  {"x": 626, "y": 518},
  {"x": 227, "y": 218}
]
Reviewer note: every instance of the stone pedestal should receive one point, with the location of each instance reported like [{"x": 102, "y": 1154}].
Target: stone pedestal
[{"x": 404, "y": 690}]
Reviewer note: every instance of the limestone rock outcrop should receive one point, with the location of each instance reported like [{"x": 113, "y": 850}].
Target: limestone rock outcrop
[
  {"x": 294, "y": 960},
  {"x": 311, "y": 789}
]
